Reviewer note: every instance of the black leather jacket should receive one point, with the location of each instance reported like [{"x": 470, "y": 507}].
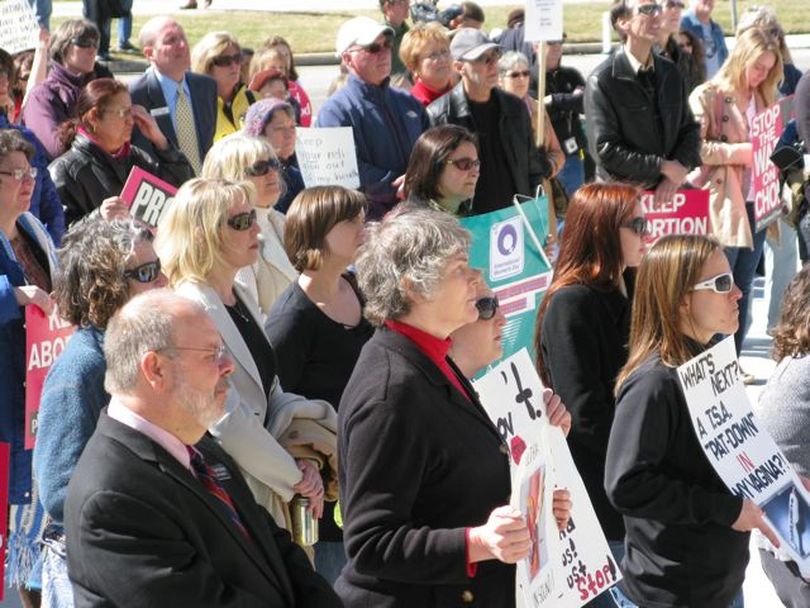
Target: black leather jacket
[
  {"x": 528, "y": 165},
  {"x": 626, "y": 138}
]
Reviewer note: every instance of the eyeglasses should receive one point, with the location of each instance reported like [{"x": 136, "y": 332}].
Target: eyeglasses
[
  {"x": 120, "y": 112},
  {"x": 262, "y": 167},
  {"x": 443, "y": 54},
  {"x": 722, "y": 283},
  {"x": 638, "y": 225},
  {"x": 649, "y": 10},
  {"x": 375, "y": 47},
  {"x": 519, "y": 74},
  {"x": 464, "y": 164},
  {"x": 219, "y": 352},
  {"x": 488, "y": 59},
  {"x": 242, "y": 221},
  {"x": 20, "y": 174},
  {"x": 224, "y": 61},
  {"x": 145, "y": 273},
  {"x": 84, "y": 43},
  {"x": 487, "y": 307},
  {"x": 674, "y": 4}
]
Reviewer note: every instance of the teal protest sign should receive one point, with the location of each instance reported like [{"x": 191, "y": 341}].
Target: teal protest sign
[{"x": 507, "y": 248}]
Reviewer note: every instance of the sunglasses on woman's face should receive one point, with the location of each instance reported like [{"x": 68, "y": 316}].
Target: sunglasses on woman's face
[
  {"x": 464, "y": 164},
  {"x": 648, "y": 10},
  {"x": 145, "y": 273},
  {"x": 224, "y": 61},
  {"x": 487, "y": 307},
  {"x": 638, "y": 225},
  {"x": 84, "y": 42},
  {"x": 722, "y": 283},
  {"x": 519, "y": 74},
  {"x": 242, "y": 221},
  {"x": 262, "y": 167}
]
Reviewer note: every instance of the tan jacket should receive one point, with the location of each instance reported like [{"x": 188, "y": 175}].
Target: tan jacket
[{"x": 725, "y": 153}]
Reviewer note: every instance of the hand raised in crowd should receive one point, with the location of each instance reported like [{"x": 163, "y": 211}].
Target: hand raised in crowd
[
  {"x": 665, "y": 190},
  {"x": 750, "y": 518},
  {"x": 558, "y": 415},
  {"x": 561, "y": 507},
  {"x": 148, "y": 126},
  {"x": 504, "y": 537},
  {"x": 31, "y": 294},
  {"x": 310, "y": 486},
  {"x": 113, "y": 208}
]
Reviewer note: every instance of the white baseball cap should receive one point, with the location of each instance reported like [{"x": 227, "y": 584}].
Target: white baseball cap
[{"x": 360, "y": 31}]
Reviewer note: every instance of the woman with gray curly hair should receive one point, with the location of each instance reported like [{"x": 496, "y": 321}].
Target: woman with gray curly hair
[
  {"x": 424, "y": 479},
  {"x": 102, "y": 265}
]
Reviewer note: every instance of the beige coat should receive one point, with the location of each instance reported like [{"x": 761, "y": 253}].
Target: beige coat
[{"x": 725, "y": 155}]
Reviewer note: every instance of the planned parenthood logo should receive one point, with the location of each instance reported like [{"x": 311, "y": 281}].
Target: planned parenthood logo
[{"x": 506, "y": 249}]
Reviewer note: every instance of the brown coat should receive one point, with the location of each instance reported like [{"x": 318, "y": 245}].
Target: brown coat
[{"x": 725, "y": 152}]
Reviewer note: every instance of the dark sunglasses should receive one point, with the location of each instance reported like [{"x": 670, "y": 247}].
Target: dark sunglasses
[
  {"x": 242, "y": 221},
  {"x": 224, "y": 61},
  {"x": 487, "y": 307},
  {"x": 648, "y": 10},
  {"x": 722, "y": 283},
  {"x": 674, "y": 4},
  {"x": 262, "y": 167},
  {"x": 376, "y": 47},
  {"x": 84, "y": 42},
  {"x": 638, "y": 225},
  {"x": 145, "y": 273},
  {"x": 489, "y": 58},
  {"x": 464, "y": 164},
  {"x": 519, "y": 74}
]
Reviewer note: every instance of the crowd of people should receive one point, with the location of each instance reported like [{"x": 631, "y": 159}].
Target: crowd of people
[{"x": 273, "y": 355}]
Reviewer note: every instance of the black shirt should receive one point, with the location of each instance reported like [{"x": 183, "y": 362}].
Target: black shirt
[
  {"x": 257, "y": 343},
  {"x": 495, "y": 187}
]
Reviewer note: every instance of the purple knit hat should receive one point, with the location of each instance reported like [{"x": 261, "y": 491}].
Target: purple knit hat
[{"x": 261, "y": 112}]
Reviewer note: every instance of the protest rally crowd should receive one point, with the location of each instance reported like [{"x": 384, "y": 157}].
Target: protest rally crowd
[{"x": 268, "y": 355}]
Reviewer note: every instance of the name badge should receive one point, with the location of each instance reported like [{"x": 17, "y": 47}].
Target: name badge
[
  {"x": 571, "y": 145},
  {"x": 159, "y": 111},
  {"x": 220, "y": 472}
]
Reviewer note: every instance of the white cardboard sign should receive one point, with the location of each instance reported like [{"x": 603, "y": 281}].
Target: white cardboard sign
[
  {"x": 327, "y": 157},
  {"x": 18, "y": 26},
  {"x": 544, "y": 20}
]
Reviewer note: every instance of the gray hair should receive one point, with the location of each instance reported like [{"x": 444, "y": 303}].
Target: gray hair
[
  {"x": 510, "y": 61},
  {"x": 765, "y": 19},
  {"x": 144, "y": 324},
  {"x": 412, "y": 246},
  {"x": 67, "y": 31}
]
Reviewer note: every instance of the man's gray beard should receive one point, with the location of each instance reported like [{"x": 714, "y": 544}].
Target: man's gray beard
[{"x": 203, "y": 407}]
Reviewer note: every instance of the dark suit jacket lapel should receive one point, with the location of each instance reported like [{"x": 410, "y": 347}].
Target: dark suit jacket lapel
[
  {"x": 156, "y": 100},
  {"x": 197, "y": 97}
]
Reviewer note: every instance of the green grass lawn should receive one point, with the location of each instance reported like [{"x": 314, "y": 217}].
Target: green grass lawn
[{"x": 315, "y": 32}]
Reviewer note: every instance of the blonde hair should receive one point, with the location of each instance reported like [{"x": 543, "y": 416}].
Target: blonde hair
[
  {"x": 417, "y": 39},
  {"x": 665, "y": 278},
  {"x": 210, "y": 46},
  {"x": 750, "y": 46},
  {"x": 764, "y": 18},
  {"x": 189, "y": 240},
  {"x": 262, "y": 58},
  {"x": 229, "y": 157}
]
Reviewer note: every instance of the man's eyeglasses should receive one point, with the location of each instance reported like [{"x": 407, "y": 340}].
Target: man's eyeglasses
[
  {"x": 487, "y": 307},
  {"x": 224, "y": 61},
  {"x": 464, "y": 164},
  {"x": 638, "y": 225},
  {"x": 20, "y": 174},
  {"x": 242, "y": 221},
  {"x": 649, "y": 10},
  {"x": 219, "y": 352},
  {"x": 722, "y": 283},
  {"x": 84, "y": 43},
  {"x": 518, "y": 74},
  {"x": 375, "y": 47},
  {"x": 145, "y": 273},
  {"x": 670, "y": 4},
  {"x": 262, "y": 167}
]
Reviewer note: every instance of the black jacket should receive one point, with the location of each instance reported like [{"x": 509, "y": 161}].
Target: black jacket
[
  {"x": 584, "y": 341},
  {"x": 566, "y": 105},
  {"x": 681, "y": 550},
  {"x": 630, "y": 132},
  {"x": 528, "y": 165},
  {"x": 144, "y": 532},
  {"x": 419, "y": 464},
  {"x": 85, "y": 175}
]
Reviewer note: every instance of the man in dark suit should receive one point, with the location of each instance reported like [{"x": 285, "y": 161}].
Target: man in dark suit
[
  {"x": 183, "y": 103},
  {"x": 157, "y": 514}
]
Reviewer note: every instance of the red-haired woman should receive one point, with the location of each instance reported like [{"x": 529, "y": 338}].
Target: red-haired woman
[
  {"x": 93, "y": 171},
  {"x": 583, "y": 325}
]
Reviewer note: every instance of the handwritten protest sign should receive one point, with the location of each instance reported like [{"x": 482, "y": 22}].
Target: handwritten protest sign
[
  {"x": 766, "y": 128},
  {"x": 505, "y": 249},
  {"x": 5, "y": 460},
  {"x": 544, "y": 20},
  {"x": 582, "y": 565},
  {"x": 686, "y": 213},
  {"x": 147, "y": 196},
  {"x": 18, "y": 26},
  {"x": 745, "y": 457},
  {"x": 45, "y": 338},
  {"x": 327, "y": 157}
]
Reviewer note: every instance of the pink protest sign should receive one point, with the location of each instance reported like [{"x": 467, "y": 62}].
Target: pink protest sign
[
  {"x": 686, "y": 213},
  {"x": 45, "y": 339},
  {"x": 766, "y": 128},
  {"x": 147, "y": 196}
]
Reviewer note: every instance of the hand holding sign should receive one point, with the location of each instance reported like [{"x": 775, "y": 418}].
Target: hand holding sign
[
  {"x": 31, "y": 294},
  {"x": 113, "y": 208},
  {"x": 562, "y": 508},
  {"x": 504, "y": 537},
  {"x": 750, "y": 518},
  {"x": 556, "y": 411}
]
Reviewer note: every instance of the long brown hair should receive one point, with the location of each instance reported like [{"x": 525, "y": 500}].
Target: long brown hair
[
  {"x": 792, "y": 336},
  {"x": 665, "y": 278},
  {"x": 591, "y": 252}
]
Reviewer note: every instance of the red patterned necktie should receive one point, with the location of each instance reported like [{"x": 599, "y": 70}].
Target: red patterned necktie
[{"x": 207, "y": 477}]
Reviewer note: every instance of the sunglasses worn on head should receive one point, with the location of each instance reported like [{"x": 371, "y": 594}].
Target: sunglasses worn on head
[
  {"x": 224, "y": 61},
  {"x": 638, "y": 225},
  {"x": 84, "y": 43},
  {"x": 464, "y": 164},
  {"x": 487, "y": 307},
  {"x": 519, "y": 74},
  {"x": 145, "y": 273},
  {"x": 262, "y": 167},
  {"x": 242, "y": 221},
  {"x": 722, "y": 283},
  {"x": 648, "y": 10}
]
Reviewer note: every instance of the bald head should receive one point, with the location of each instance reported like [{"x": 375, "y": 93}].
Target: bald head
[{"x": 165, "y": 46}]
